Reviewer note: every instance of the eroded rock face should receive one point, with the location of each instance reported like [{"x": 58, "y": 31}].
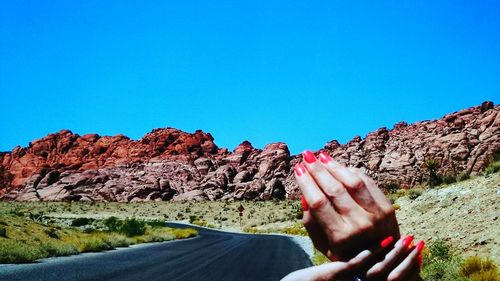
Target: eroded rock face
[{"x": 168, "y": 164}]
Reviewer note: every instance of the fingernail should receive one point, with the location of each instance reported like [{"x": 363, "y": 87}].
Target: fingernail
[
  {"x": 420, "y": 247},
  {"x": 324, "y": 158},
  {"x": 386, "y": 242},
  {"x": 407, "y": 241},
  {"x": 299, "y": 169},
  {"x": 308, "y": 156},
  {"x": 304, "y": 204}
]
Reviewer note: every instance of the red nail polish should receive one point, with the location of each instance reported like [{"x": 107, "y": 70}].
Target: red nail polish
[
  {"x": 308, "y": 156},
  {"x": 407, "y": 241},
  {"x": 386, "y": 242},
  {"x": 420, "y": 247},
  {"x": 299, "y": 169},
  {"x": 304, "y": 204},
  {"x": 324, "y": 158}
]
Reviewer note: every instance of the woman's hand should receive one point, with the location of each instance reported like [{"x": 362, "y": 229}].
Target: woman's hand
[
  {"x": 344, "y": 210},
  {"x": 401, "y": 263}
]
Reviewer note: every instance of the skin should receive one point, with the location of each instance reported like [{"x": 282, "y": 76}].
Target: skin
[
  {"x": 400, "y": 263},
  {"x": 346, "y": 214},
  {"x": 347, "y": 211}
]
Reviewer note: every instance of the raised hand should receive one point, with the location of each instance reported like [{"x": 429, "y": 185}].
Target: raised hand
[{"x": 344, "y": 210}]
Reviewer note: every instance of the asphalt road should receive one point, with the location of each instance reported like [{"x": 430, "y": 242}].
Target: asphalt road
[{"x": 213, "y": 255}]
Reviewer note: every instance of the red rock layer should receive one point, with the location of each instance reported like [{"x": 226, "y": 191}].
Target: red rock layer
[{"x": 170, "y": 164}]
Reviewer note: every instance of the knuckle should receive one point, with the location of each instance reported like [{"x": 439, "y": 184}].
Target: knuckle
[
  {"x": 318, "y": 203},
  {"x": 335, "y": 190},
  {"x": 356, "y": 183}
]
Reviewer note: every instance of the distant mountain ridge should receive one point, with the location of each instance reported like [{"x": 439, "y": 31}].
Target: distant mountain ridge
[{"x": 169, "y": 164}]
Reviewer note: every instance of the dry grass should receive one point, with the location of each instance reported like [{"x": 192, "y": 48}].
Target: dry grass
[{"x": 26, "y": 240}]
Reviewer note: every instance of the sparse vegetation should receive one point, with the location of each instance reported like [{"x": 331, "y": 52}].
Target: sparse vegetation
[
  {"x": 433, "y": 178},
  {"x": 414, "y": 193},
  {"x": 27, "y": 240},
  {"x": 479, "y": 269}
]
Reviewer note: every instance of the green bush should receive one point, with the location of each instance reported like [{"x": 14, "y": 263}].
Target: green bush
[
  {"x": 441, "y": 263},
  {"x": 133, "y": 227},
  {"x": 432, "y": 165},
  {"x": 81, "y": 221},
  {"x": 112, "y": 223},
  {"x": 15, "y": 252},
  {"x": 94, "y": 244},
  {"x": 464, "y": 176},
  {"x": 414, "y": 193},
  {"x": 492, "y": 168},
  {"x": 3, "y": 232},
  {"x": 449, "y": 179}
]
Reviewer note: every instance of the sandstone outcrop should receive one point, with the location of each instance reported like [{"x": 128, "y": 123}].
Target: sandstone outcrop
[{"x": 168, "y": 164}]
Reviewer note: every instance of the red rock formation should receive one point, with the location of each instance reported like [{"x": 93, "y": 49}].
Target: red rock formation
[{"x": 170, "y": 164}]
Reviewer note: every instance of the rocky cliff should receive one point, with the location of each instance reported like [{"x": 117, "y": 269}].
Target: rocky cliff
[{"x": 168, "y": 164}]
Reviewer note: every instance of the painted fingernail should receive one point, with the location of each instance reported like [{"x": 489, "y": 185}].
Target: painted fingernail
[
  {"x": 386, "y": 242},
  {"x": 304, "y": 204},
  {"x": 308, "y": 156},
  {"x": 407, "y": 242},
  {"x": 299, "y": 169},
  {"x": 324, "y": 158},
  {"x": 420, "y": 247}
]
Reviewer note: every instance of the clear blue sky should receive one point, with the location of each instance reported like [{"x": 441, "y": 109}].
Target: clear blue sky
[{"x": 302, "y": 72}]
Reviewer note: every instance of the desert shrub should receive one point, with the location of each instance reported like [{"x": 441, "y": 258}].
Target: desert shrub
[
  {"x": 492, "y": 168},
  {"x": 133, "y": 227},
  {"x": 192, "y": 218},
  {"x": 81, "y": 221},
  {"x": 434, "y": 179},
  {"x": 396, "y": 206},
  {"x": 156, "y": 223},
  {"x": 479, "y": 269},
  {"x": 52, "y": 233},
  {"x": 180, "y": 233},
  {"x": 449, "y": 179},
  {"x": 58, "y": 249},
  {"x": 464, "y": 176},
  {"x": 391, "y": 187},
  {"x": 3, "y": 232},
  {"x": 15, "y": 252},
  {"x": 414, "y": 193},
  {"x": 112, "y": 223},
  {"x": 94, "y": 244},
  {"x": 250, "y": 229},
  {"x": 117, "y": 240},
  {"x": 441, "y": 263}
]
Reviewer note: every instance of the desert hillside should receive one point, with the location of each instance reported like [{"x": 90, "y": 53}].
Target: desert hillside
[{"x": 465, "y": 213}]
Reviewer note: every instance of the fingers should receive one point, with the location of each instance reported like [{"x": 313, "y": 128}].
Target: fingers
[
  {"x": 331, "y": 187},
  {"x": 407, "y": 266},
  {"x": 354, "y": 184},
  {"x": 400, "y": 250},
  {"x": 319, "y": 205},
  {"x": 327, "y": 271},
  {"x": 330, "y": 271}
]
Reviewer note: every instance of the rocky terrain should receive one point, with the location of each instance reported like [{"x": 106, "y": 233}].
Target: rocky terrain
[
  {"x": 464, "y": 213},
  {"x": 168, "y": 164}
]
